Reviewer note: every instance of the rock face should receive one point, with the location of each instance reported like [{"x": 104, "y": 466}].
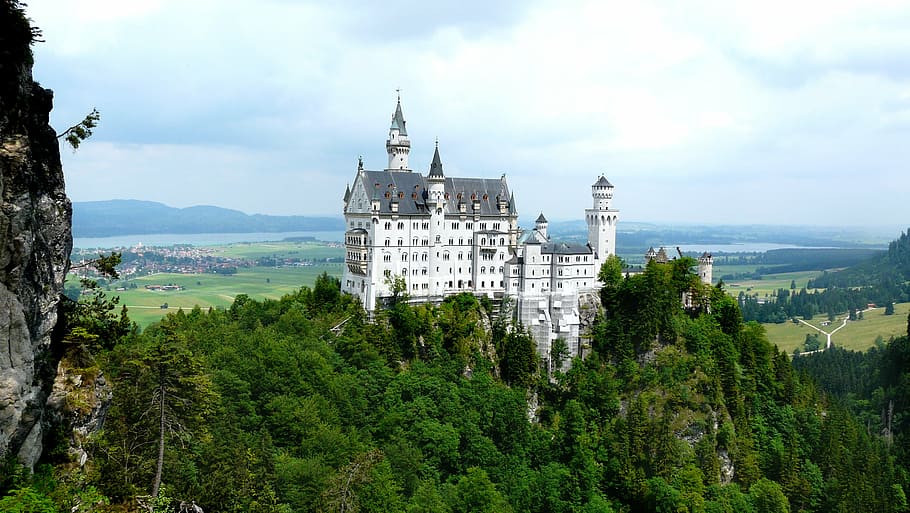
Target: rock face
[{"x": 35, "y": 242}]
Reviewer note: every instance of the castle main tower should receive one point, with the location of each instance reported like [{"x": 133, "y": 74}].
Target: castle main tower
[
  {"x": 601, "y": 221},
  {"x": 398, "y": 145}
]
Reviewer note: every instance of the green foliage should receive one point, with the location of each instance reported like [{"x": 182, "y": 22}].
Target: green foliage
[
  {"x": 76, "y": 134},
  {"x": 313, "y": 407},
  {"x": 518, "y": 358},
  {"x": 27, "y": 500}
]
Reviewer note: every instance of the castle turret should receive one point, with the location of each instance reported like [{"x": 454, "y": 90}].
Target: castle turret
[
  {"x": 541, "y": 226},
  {"x": 436, "y": 203},
  {"x": 706, "y": 268},
  {"x": 398, "y": 145},
  {"x": 601, "y": 221}
]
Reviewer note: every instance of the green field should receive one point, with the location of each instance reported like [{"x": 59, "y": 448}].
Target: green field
[
  {"x": 769, "y": 284},
  {"x": 859, "y": 335},
  {"x": 300, "y": 250},
  {"x": 219, "y": 290},
  {"x": 215, "y": 290}
]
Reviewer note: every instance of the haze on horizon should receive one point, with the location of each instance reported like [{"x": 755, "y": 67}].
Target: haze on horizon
[{"x": 753, "y": 113}]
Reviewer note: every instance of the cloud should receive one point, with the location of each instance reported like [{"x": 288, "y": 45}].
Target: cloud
[{"x": 683, "y": 106}]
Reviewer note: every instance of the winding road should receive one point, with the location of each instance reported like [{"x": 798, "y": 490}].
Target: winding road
[{"x": 827, "y": 334}]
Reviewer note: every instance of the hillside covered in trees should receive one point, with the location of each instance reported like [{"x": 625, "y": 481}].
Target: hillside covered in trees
[{"x": 304, "y": 404}]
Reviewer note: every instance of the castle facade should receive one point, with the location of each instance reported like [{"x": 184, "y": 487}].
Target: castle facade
[{"x": 435, "y": 235}]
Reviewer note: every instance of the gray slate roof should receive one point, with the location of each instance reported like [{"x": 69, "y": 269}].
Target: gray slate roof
[
  {"x": 541, "y": 218},
  {"x": 398, "y": 120},
  {"x": 603, "y": 182},
  {"x": 410, "y": 189},
  {"x": 566, "y": 248}
]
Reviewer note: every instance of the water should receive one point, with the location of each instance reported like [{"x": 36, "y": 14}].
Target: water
[
  {"x": 197, "y": 239},
  {"x": 744, "y": 247}
]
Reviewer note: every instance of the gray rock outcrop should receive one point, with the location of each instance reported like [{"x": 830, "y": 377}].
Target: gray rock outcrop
[{"x": 35, "y": 242}]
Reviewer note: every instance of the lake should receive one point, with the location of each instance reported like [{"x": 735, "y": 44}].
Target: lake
[{"x": 197, "y": 239}]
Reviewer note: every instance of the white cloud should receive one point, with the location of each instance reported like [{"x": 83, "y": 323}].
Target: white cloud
[{"x": 680, "y": 104}]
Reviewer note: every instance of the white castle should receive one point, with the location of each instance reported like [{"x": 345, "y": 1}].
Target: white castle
[{"x": 444, "y": 235}]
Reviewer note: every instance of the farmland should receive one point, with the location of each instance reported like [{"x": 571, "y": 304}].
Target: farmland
[
  {"x": 290, "y": 265},
  {"x": 858, "y": 335}
]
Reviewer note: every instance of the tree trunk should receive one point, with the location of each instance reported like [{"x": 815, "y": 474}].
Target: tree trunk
[{"x": 157, "y": 484}]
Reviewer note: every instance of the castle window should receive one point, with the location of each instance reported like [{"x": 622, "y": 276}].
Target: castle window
[
  {"x": 460, "y": 255},
  {"x": 469, "y": 226},
  {"x": 460, "y": 242},
  {"x": 439, "y": 238},
  {"x": 502, "y": 241},
  {"x": 388, "y": 242},
  {"x": 404, "y": 271},
  {"x": 451, "y": 241},
  {"x": 495, "y": 226},
  {"x": 445, "y": 256},
  {"x": 404, "y": 257},
  {"x": 387, "y": 273},
  {"x": 401, "y": 242},
  {"x": 388, "y": 225}
]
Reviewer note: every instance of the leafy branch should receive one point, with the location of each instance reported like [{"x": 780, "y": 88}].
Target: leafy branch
[{"x": 82, "y": 130}]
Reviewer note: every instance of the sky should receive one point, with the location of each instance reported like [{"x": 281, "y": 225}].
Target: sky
[{"x": 702, "y": 112}]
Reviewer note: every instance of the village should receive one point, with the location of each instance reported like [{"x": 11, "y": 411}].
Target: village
[{"x": 140, "y": 260}]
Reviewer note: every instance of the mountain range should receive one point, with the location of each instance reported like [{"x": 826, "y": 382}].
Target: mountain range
[{"x": 132, "y": 217}]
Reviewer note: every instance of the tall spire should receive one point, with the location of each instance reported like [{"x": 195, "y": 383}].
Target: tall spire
[
  {"x": 436, "y": 165},
  {"x": 398, "y": 145},
  {"x": 398, "y": 119}
]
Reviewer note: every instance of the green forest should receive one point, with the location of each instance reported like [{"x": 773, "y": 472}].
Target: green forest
[{"x": 305, "y": 404}]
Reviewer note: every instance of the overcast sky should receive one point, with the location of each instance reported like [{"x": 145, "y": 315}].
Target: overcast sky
[{"x": 770, "y": 112}]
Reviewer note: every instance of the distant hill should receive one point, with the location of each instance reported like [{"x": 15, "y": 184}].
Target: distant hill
[
  {"x": 888, "y": 271},
  {"x": 133, "y": 217}
]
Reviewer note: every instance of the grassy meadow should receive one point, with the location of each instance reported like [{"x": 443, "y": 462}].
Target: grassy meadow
[
  {"x": 219, "y": 290},
  {"x": 768, "y": 285},
  {"x": 858, "y": 335}
]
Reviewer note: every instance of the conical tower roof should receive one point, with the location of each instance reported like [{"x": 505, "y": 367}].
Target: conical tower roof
[
  {"x": 398, "y": 120},
  {"x": 436, "y": 165}
]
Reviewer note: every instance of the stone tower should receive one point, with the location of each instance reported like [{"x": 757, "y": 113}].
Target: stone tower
[
  {"x": 436, "y": 203},
  {"x": 601, "y": 221},
  {"x": 398, "y": 145},
  {"x": 706, "y": 268}
]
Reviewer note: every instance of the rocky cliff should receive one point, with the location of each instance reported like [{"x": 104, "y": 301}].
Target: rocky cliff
[{"x": 35, "y": 242}]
